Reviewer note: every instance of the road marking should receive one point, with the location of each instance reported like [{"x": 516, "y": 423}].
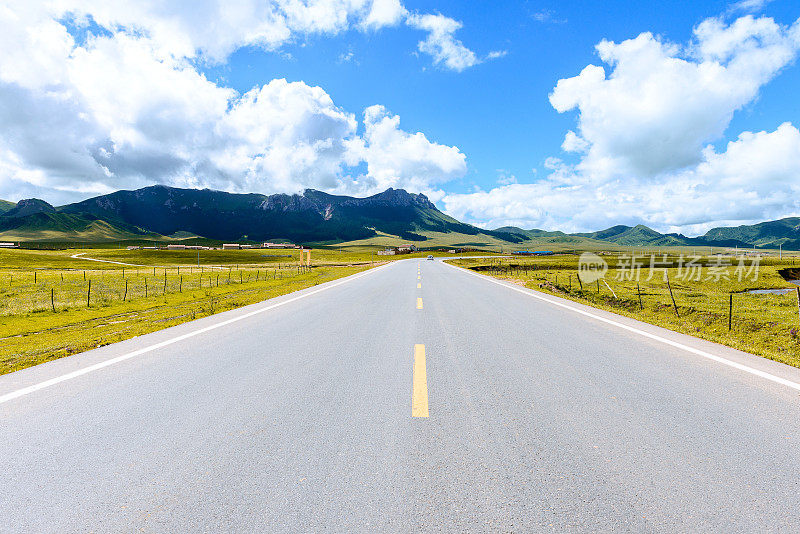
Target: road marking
[
  {"x": 419, "y": 286},
  {"x": 419, "y": 392},
  {"x": 655, "y": 337},
  {"x": 419, "y": 303},
  {"x": 80, "y": 372}
]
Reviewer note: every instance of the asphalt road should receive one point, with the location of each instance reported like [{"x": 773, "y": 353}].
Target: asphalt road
[{"x": 304, "y": 413}]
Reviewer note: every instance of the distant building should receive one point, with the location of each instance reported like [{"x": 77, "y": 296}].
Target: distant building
[
  {"x": 534, "y": 253},
  {"x": 406, "y": 248},
  {"x": 387, "y": 252},
  {"x": 134, "y": 247},
  {"x": 230, "y": 246},
  {"x": 245, "y": 246},
  {"x": 176, "y": 247},
  {"x": 278, "y": 245},
  {"x": 8, "y": 245}
]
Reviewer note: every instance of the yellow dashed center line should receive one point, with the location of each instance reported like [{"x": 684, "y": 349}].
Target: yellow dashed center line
[
  {"x": 419, "y": 394},
  {"x": 419, "y": 286},
  {"x": 419, "y": 303}
]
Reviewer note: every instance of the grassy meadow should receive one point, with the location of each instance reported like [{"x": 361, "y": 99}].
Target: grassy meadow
[
  {"x": 762, "y": 324},
  {"x": 53, "y": 305}
]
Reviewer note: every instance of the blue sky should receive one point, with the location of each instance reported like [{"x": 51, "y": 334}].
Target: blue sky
[
  {"x": 498, "y": 112},
  {"x": 367, "y": 106}
]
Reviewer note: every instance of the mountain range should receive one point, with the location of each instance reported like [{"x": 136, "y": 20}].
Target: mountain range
[{"x": 164, "y": 213}]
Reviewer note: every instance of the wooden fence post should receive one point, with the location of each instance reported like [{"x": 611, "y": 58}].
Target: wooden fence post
[
  {"x": 125, "y": 296},
  {"x": 639, "y": 291},
  {"x": 798, "y": 303},
  {"x": 88, "y": 293},
  {"x": 53, "y": 299},
  {"x": 730, "y": 310},
  {"x": 673, "y": 299}
]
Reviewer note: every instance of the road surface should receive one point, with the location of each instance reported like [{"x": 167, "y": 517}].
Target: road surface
[{"x": 308, "y": 413}]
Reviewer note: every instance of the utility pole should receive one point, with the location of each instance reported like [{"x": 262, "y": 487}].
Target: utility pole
[{"x": 198, "y": 258}]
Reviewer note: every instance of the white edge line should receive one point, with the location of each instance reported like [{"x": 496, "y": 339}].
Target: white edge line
[
  {"x": 80, "y": 372},
  {"x": 655, "y": 337}
]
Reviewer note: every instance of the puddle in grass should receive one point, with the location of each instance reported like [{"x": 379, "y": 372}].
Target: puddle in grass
[{"x": 776, "y": 291}]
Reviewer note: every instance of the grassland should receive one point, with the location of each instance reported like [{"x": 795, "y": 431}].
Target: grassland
[
  {"x": 53, "y": 305},
  {"x": 762, "y": 324}
]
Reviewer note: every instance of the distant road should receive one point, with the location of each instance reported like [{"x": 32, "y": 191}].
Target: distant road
[
  {"x": 80, "y": 256},
  {"x": 412, "y": 397}
]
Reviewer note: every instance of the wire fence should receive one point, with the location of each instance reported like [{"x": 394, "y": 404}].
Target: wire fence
[{"x": 41, "y": 290}]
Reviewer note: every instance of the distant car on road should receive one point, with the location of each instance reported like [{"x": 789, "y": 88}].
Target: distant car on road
[{"x": 430, "y": 257}]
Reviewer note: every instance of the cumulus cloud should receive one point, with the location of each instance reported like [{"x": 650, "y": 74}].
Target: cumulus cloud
[
  {"x": 643, "y": 134},
  {"x": 661, "y": 103},
  {"x": 123, "y": 109},
  {"x": 754, "y": 179},
  {"x": 183, "y": 29},
  {"x": 441, "y": 43},
  {"x": 397, "y": 158},
  {"x": 215, "y": 29}
]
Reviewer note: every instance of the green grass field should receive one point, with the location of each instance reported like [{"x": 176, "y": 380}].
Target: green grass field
[
  {"x": 49, "y": 310},
  {"x": 766, "y": 324}
]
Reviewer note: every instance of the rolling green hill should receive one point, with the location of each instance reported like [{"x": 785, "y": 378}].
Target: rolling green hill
[
  {"x": 5, "y": 205},
  {"x": 770, "y": 234},
  {"x": 638, "y": 235},
  {"x": 51, "y": 226}
]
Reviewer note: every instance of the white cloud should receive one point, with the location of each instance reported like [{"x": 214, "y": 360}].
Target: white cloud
[
  {"x": 441, "y": 43},
  {"x": 124, "y": 110},
  {"x": 749, "y": 5},
  {"x": 754, "y": 179},
  {"x": 548, "y": 16},
  {"x": 396, "y": 158},
  {"x": 186, "y": 28},
  {"x": 661, "y": 103},
  {"x": 384, "y": 13},
  {"x": 495, "y": 54},
  {"x": 643, "y": 139}
]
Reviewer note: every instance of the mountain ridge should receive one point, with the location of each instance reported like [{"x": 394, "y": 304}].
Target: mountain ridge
[{"x": 317, "y": 217}]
